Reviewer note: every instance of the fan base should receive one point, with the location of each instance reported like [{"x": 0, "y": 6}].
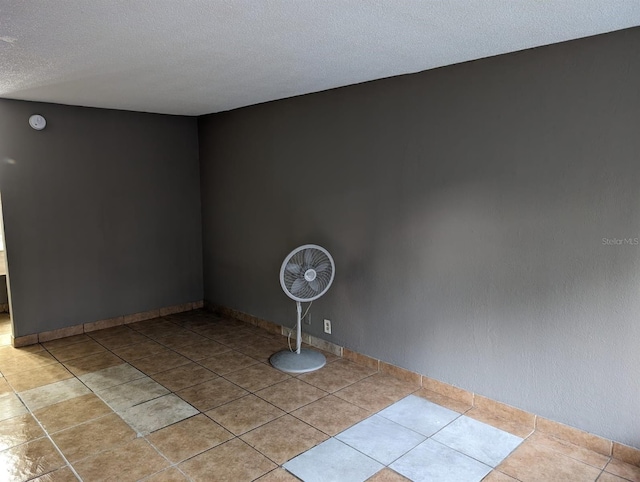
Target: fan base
[{"x": 292, "y": 362}]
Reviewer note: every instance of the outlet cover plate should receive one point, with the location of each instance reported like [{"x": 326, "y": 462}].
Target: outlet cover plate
[{"x": 327, "y": 326}]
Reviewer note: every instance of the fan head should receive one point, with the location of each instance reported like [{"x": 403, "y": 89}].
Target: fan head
[{"x": 307, "y": 273}]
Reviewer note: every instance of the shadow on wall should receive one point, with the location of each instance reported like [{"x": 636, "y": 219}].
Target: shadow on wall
[{"x": 4, "y": 298}]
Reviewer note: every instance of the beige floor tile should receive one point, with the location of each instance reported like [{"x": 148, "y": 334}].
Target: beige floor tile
[
  {"x": 11, "y": 406},
  {"x": 29, "y": 460},
  {"x": 125, "y": 463},
  {"x": 183, "y": 338},
  {"x": 77, "y": 350},
  {"x": 233, "y": 460},
  {"x": 18, "y": 430},
  {"x": 5, "y": 323},
  {"x": 188, "y": 438},
  {"x": 91, "y": 437},
  {"x": 284, "y": 438},
  {"x": 443, "y": 401},
  {"x": 331, "y": 414},
  {"x": 192, "y": 324},
  {"x": 65, "y": 474},
  {"x": 278, "y": 475},
  {"x": 607, "y": 477},
  {"x": 163, "y": 330},
  {"x": 152, "y": 324},
  {"x": 123, "y": 339},
  {"x": 490, "y": 418},
  {"x": 204, "y": 349},
  {"x": 184, "y": 376},
  {"x": 46, "y": 395},
  {"x": 25, "y": 362},
  {"x": 66, "y": 341},
  {"x": 5, "y": 387},
  {"x": 169, "y": 475},
  {"x": 228, "y": 362},
  {"x": 329, "y": 356},
  {"x": 110, "y": 377},
  {"x": 256, "y": 377},
  {"x": 388, "y": 475},
  {"x": 291, "y": 394},
  {"x": 159, "y": 362},
  {"x": 211, "y": 394},
  {"x": 92, "y": 363},
  {"x": 495, "y": 476},
  {"x": 38, "y": 377},
  {"x": 139, "y": 350},
  {"x": 242, "y": 341},
  {"x": 214, "y": 332},
  {"x": 68, "y": 413},
  {"x": 260, "y": 353},
  {"x": 337, "y": 375},
  {"x": 9, "y": 352},
  {"x": 109, "y": 332},
  {"x": 560, "y": 446},
  {"x": 533, "y": 462},
  {"x": 239, "y": 333},
  {"x": 244, "y": 414},
  {"x": 622, "y": 469},
  {"x": 158, "y": 413},
  {"x": 376, "y": 392}
]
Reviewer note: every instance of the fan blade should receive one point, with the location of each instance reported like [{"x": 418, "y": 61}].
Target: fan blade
[
  {"x": 297, "y": 286},
  {"x": 308, "y": 257},
  {"x": 315, "y": 286},
  {"x": 322, "y": 267},
  {"x": 294, "y": 268}
]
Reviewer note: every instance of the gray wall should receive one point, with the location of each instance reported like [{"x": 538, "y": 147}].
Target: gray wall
[
  {"x": 101, "y": 213},
  {"x": 466, "y": 209},
  {"x": 4, "y": 299}
]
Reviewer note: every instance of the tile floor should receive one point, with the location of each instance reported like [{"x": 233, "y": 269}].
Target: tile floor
[{"x": 192, "y": 397}]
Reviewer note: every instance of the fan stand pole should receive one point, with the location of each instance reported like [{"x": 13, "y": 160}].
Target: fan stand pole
[
  {"x": 299, "y": 331},
  {"x": 302, "y": 360}
]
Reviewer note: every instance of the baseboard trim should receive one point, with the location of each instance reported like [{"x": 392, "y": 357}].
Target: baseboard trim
[
  {"x": 501, "y": 410},
  {"x": 88, "y": 327}
]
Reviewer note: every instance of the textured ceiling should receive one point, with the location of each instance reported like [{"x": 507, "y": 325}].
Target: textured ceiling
[{"x": 196, "y": 57}]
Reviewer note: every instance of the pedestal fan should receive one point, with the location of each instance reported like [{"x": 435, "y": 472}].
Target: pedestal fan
[{"x": 306, "y": 274}]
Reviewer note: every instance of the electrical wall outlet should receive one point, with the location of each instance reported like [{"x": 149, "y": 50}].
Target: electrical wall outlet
[{"x": 327, "y": 326}]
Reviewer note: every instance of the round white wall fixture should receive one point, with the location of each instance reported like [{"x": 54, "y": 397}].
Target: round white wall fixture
[{"x": 37, "y": 122}]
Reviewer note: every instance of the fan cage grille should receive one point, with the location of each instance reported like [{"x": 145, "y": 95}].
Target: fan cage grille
[{"x": 294, "y": 267}]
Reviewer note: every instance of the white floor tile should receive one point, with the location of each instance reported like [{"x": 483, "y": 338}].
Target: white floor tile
[
  {"x": 121, "y": 397},
  {"x": 419, "y": 415},
  {"x": 53, "y": 393},
  {"x": 332, "y": 461},
  {"x": 381, "y": 439},
  {"x": 434, "y": 462},
  {"x": 110, "y": 377},
  {"x": 157, "y": 413},
  {"x": 478, "y": 440}
]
